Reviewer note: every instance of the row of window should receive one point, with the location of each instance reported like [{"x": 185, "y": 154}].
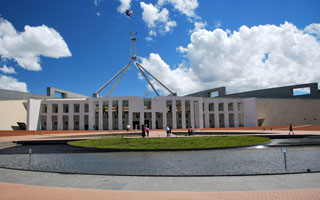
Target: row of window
[
  {"x": 125, "y": 104},
  {"x": 65, "y": 107},
  {"x": 221, "y": 107}
]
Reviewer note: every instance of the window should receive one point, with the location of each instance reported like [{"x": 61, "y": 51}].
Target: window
[
  {"x": 240, "y": 107},
  {"x": 86, "y": 107},
  {"x": 65, "y": 108},
  {"x": 54, "y": 108},
  {"x": 211, "y": 106},
  {"x": 301, "y": 91},
  {"x": 76, "y": 108},
  {"x": 221, "y": 107},
  {"x": 147, "y": 104},
  {"x": 44, "y": 108},
  {"x": 230, "y": 106},
  {"x": 214, "y": 94}
]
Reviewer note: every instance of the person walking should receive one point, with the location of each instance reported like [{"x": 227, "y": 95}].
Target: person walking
[
  {"x": 168, "y": 131},
  {"x": 290, "y": 129},
  {"x": 143, "y": 131},
  {"x": 147, "y": 130},
  {"x": 190, "y": 131}
]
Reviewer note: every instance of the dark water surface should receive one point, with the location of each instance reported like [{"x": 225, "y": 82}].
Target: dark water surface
[{"x": 238, "y": 161}]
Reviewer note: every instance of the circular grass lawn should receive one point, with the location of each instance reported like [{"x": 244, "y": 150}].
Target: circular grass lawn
[{"x": 171, "y": 143}]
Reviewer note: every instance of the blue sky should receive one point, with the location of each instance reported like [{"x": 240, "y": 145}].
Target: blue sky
[{"x": 93, "y": 44}]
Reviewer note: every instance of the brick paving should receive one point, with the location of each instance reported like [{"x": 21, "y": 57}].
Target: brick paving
[{"x": 28, "y": 192}]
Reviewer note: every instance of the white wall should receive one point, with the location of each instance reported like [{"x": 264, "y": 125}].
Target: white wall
[
  {"x": 12, "y": 112},
  {"x": 33, "y": 114}
]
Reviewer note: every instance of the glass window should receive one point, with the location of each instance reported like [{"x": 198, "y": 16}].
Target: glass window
[
  {"x": 44, "y": 108},
  {"x": 147, "y": 104},
  {"x": 230, "y": 106},
  {"x": 65, "y": 108},
  {"x": 54, "y": 108},
  {"x": 76, "y": 108},
  {"x": 211, "y": 106},
  {"x": 86, "y": 107},
  {"x": 221, "y": 107}
]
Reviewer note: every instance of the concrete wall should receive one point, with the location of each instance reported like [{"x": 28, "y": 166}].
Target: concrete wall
[
  {"x": 12, "y": 112},
  {"x": 15, "y": 95},
  {"x": 33, "y": 114},
  {"x": 280, "y": 92},
  {"x": 272, "y": 112},
  {"x": 207, "y": 93},
  {"x": 64, "y": 93}
]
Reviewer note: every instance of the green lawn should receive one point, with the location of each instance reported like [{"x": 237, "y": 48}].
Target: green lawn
[{"x": 171, "y": 143}]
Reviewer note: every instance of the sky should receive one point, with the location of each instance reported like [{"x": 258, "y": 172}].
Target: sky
[{"x": 189, "y": 45}]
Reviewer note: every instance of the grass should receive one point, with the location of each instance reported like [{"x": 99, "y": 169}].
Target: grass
[{"x": 170, "y": 143}]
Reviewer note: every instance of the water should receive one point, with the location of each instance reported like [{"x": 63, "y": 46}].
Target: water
[{"x": 238, "y": 161}]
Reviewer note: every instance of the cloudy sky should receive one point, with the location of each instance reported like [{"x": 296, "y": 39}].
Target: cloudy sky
[{"x": 189, "y": 45}]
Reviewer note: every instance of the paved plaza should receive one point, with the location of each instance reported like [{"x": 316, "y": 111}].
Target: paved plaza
[{"x": 19, "y": 184}]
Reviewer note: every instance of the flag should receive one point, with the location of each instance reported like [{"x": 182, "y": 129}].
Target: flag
[{"x": 129, "y": 13}]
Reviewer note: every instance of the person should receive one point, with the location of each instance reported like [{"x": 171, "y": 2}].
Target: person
[
  {"x": 147, "y": 129},
  {"x": 290, "y": 129},
  {"x": 168, "y": 131},
  {"x": 190, "y": 130},
  {"x": 143, "y": 131},
  {"x": 128, "y": 128}
]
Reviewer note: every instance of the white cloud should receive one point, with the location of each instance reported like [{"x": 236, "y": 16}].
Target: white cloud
[
  {"x": 96, "y": 2},
  {"x": 186, "y": 7},
  {"x": 251, "y": 58},
  {"x": 198, "y": 25},
  {"x": 10, "y": 83},
  {"x": 7, "y": 70},
  {"x": 124, "y": 5},
  {"x": 26, "y": 47},
  {"x": 98, "y": 14},
  {"x": 313, "y": 29},
  {"x": 156, "y": 20},
  {"x": 179, "y": 79}
]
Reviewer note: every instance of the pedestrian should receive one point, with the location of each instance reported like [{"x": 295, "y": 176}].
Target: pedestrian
[
  {"x": 190, "y": 131},
  {"x": 147, "y": 129},
  {"x": 128, "y": 128},
  {"x": 290, "y": 129},
  {"x": 143, "y": 131},
  {"x": 168, "y": 131}
]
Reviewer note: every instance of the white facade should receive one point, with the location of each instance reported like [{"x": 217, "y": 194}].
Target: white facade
[{"x": 114, "y": 113}]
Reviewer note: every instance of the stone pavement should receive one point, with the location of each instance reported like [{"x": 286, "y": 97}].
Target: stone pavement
[{"x": 15, "y": 184}]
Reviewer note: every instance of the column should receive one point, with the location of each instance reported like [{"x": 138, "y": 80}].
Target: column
[
  {"x": 110, "y": 115},
  {"x": 91, "y": 115},
  {"x": 192, "y": 113},
  {"x": 200, "y": 114},
  {"x": 206, "y": 113},
  {"x": 120, "y": 114},
  {"x": 81, "y": 115},
  {"x": 153, "y": 119},
  {"x": 60, "y": 112},
  {"x": 174, "y": 114},
  {"x": 70, "y": 116},
  {"x": 141, "y": 119},
  {"x": 164, "y": 117},
  {"x": 130, "y": 115},
  {"x": 49, "y": 116},
  {"x": 183, "y": 113},
  {"x": 226, "y": 114},
  {"x": 216, "y": 115},
  {"x": 236, "y": 114},
  {"x": 100, "y": 115}
]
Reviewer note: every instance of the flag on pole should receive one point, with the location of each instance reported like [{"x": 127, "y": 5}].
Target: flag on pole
[{"x": 129, "y": 13}]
